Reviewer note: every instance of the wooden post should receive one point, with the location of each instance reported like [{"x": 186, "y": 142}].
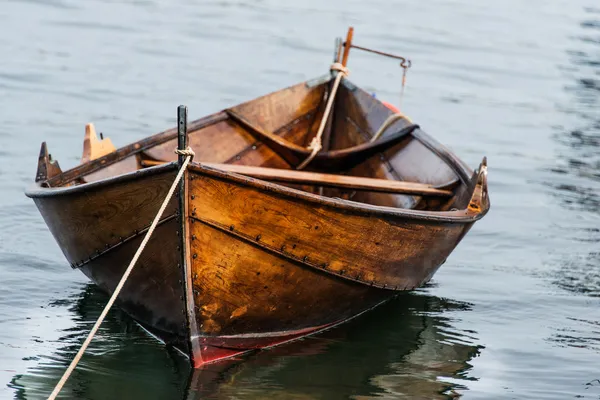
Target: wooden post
[
  {"x": 184, "y": 265},
  {"x": 182, "y": 139},
  {"x": 347, "y": 46}
]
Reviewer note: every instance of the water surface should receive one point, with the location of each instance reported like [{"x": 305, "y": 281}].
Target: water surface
[{"x": 515, "y": 311}]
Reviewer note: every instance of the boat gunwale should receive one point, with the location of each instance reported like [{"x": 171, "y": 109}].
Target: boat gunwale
[
  {"x": 460, "y": 216},
  {"x": 162, "y": 137}
]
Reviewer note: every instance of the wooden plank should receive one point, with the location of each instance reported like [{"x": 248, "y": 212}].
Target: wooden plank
[
  {"x": 330, "y": 180},
  {"x": 337, "y": 159},
  {"x": 387, "y": 250},
  {"x": 327, "y": 180}
]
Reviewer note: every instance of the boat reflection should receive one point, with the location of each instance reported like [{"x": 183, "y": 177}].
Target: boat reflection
[
  {"x": 405, "y": 347},
  {"x": 121, "y": 362}
]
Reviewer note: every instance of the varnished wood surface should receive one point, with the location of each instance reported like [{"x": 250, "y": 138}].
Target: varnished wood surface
[
  {"x": 337, "y": 159},
  {"x": 329, "y": 180},
  {"x": 271, "y": 111},
  {"x": 316, "y": 200},
  {"x": 85, "y": 222},
  {"x": 153, "y": 293},
  {"x": 126, "y": 151},
  {"x": 100, "y": 228},
  {"x": 241, "y": 289},
  {"x": 47, "y": 168},
  {"x": 388, "y": 251}
]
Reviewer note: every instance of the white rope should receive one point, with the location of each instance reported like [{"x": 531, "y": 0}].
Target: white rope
[
  {"x": 189, "y": 154},
  {"x": 386, "y": 124},
  {"x": 316, "y": 143}
]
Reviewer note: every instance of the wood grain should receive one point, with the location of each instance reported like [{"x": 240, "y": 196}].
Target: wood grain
[
  {"x": 86, "y": 222},
  {"x": 329, "y": 180},
  {"x": 153, "y": 293},
  {"x": 240, "y": 289},
  {"x": 397, "y": 253}
]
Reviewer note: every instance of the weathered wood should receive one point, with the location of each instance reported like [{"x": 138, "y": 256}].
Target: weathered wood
[
  {"x": 329, "y": 180},
  {"x": 243, "y": 289},
  {"x": 100, "y": 228},
  {"x": 47, "y": 167},
  {"x": 183, "y": 246},
  {"x": 388, "y": 251},
  {"x": 128, "y": 151},
  {"x": 336, "y": 159}
]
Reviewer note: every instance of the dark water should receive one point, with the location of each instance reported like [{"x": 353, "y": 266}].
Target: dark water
[{"x": 514, "y": 313}]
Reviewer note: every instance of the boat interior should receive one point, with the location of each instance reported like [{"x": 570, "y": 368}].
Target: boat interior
[{"x": 269, "y": 137}]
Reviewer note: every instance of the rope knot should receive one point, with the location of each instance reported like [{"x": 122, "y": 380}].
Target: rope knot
[
  {"x": 315, "y": 144},
  {"x": 187, "y": 152},
  {"x": 336, "y": 66}
]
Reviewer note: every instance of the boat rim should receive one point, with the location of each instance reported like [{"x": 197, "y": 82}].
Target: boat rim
[{"x": 458, "y": 216}]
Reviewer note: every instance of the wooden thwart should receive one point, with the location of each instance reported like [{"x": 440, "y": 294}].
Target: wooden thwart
[
  {"x": 330, "y": 180},
  {"x": 327, "y": 180}
]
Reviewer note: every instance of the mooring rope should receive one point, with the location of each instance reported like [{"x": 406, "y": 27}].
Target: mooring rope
[
  {"x": 189, "y": 154},
  {"x": 316, "y": 143},
  {"x": 386, "y": 124}
]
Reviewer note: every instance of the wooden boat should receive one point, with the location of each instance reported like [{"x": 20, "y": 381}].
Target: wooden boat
[{"x": 252, "y": 252}]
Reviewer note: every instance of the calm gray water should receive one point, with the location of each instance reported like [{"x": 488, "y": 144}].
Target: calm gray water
[{"x": 514, "y": 313}]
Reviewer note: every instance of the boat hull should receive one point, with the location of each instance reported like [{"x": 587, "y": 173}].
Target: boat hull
[{"x": 241, "y": 264}]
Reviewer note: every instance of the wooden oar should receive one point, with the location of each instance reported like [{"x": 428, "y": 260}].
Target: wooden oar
[{"x": 327, "y": 180}]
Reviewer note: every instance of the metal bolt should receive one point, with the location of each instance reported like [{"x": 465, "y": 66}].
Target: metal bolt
[
  {"x": 305, "y": 258},
  {"x": 231, "y": 227},
  {"x": 193, "y": 197},
  {"x": 195, "y": 255},
  {"x": 258, "y": 237},
  {"x": 193, "y": 237}
]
